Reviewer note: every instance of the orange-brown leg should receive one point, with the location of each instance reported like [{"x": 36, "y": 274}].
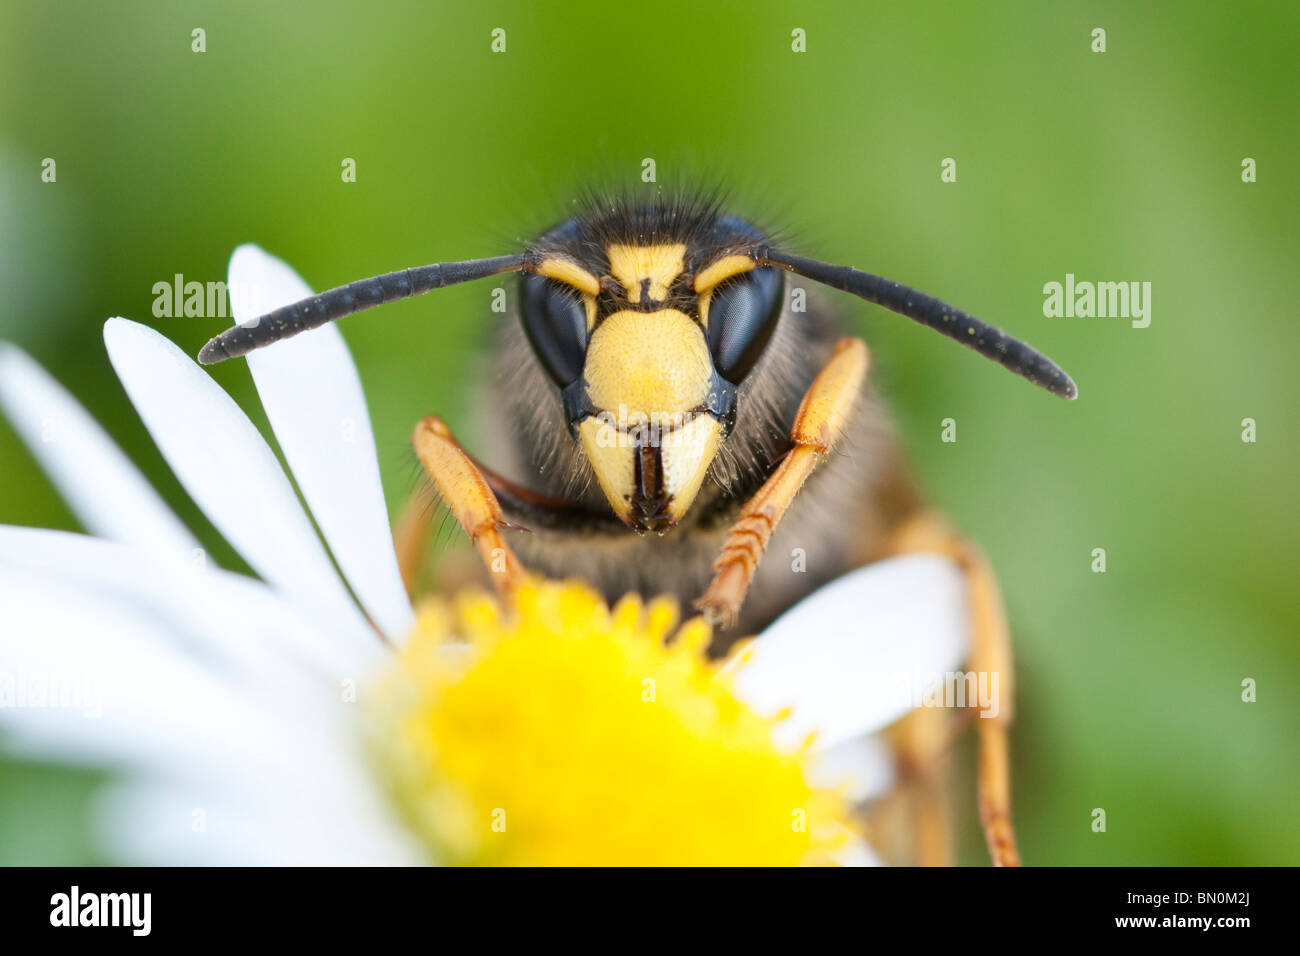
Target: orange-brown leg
[
  {"x": 470, "y": 500},
  {"x": 411, "y": 539},
  {"x": 820, "y": 418},
  {"x": 990, "y": 655},
  {"x": 921, "y": 742}
]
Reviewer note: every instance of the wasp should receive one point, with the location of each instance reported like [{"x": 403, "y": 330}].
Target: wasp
[{"x": 667, "y": 417}]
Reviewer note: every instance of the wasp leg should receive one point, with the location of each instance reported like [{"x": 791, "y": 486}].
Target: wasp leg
[
  {"x": 821, "y": 417},
  {"x": 411, "y": 538},
  {"x": 470, "y": 499},
  {"x": 921, "y": 742},
  {"x": 990, "y": 655}
]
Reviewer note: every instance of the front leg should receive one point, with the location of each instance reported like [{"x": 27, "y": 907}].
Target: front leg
[
  {"x": 470, "y": 499},
  {"x": 820, "y": 419}
]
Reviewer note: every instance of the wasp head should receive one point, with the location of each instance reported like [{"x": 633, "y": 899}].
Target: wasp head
[{"x": 647, "y": 320}]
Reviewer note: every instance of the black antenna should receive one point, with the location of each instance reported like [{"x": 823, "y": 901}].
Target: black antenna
[
  {"x": 345, "y": 300},
  {"x": 943, "y": 318}
]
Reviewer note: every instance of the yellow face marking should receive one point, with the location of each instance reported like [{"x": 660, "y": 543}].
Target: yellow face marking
[
  {"x": 705, "y": 299},
  {"x": 648, "y": 366},
  {"x": 633, "y": 265},
  {"x": 610, "y": 455},
  {"x": 687, "y": 451},
  {"x": 569, "y": 272},
  {"x": 720, "y": 271}
]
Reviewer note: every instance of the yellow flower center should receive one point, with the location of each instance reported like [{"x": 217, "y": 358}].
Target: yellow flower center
[{"x": 560, "y": 732}]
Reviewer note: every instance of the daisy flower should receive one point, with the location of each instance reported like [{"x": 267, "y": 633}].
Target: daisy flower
[{"x": 312, "y": 716}]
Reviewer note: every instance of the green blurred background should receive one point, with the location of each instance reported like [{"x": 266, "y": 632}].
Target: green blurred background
[{"x": 1117, "y": 166}]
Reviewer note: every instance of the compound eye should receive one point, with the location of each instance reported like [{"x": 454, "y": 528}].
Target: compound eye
[
  {"x": 742, "y": 316},
  {"x": 555, "y": 320}
]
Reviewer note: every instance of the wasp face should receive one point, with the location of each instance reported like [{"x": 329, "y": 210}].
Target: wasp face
[{"x": 648, "y": 321}]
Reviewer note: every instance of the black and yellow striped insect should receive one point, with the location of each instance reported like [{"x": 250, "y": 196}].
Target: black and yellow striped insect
[{"x": 668, "y": 417}]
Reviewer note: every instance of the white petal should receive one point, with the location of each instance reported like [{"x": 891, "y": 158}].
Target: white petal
[
  {"x": 229, "y": 471},
  {"x": 860, "y": 652},
  {"x": 277, "y": 776},
  {"x": 864, "y": 766},
  {"x": 234, "y": 619},
  {"x": 317, "y": 409},
  {"x": 116, "y": 660},
  {"x": 101, "y": 486},
  {"x": 99, "y": 680},
  {"x": 109, "y": 683},
  {"x": 159, "y": 824}
]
